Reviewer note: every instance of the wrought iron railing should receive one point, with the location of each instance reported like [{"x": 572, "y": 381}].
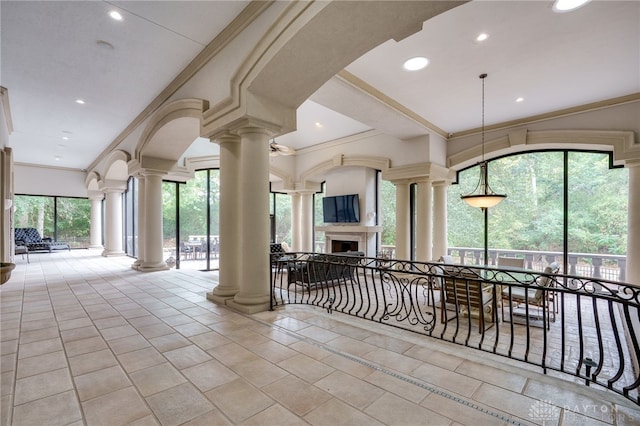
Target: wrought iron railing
[{"x": 578, "y": 326}]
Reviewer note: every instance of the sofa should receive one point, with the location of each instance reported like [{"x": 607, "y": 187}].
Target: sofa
[
  {"x": 30, "y": 237},
  {"x": 324, "y": 268}
]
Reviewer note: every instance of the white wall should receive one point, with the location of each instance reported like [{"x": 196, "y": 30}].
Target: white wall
[{"x": 38, "y": 180}]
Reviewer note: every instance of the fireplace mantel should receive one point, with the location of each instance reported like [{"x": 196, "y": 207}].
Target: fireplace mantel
[{"x": 366, "y": 236}]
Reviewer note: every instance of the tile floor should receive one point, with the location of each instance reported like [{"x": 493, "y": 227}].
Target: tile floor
[{"x": 87, "y": 340}]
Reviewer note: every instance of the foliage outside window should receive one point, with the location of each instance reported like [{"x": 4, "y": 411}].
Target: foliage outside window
[{"x": 62, "y": 218}]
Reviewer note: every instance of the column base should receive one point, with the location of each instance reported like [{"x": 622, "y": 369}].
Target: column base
[
  {"x": 98, "y": 246},
  {"x": 218, "y": 299},
  {"x": 108, "y": 253},
  {"x": 247, "y": 309},
  {"x": 151, "y": 267}
]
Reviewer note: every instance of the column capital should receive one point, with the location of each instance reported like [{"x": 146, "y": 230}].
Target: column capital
[
  {"x": 111, "y": 186},
  {"x": 94, "y": 195},
  {"x": 224, "y": 136}
]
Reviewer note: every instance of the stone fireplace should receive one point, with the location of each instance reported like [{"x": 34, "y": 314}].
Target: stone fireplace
[{"x": 341, "y": 238}]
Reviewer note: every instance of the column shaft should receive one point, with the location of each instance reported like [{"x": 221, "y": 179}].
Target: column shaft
[
  {"x": 403, "y": 241},
  {"x": 152, "y": 230},
  {"x": 254, "y": 294},
  {"x": 306, "y": 221},
  {"x": 296, "y": 222},
  {"x": 633, "y": 225},
  {"x": 113, "y": 223},
  {"x": 424, "y": 222},
  {"x": 440, "y": 247},
  {"x": 140, "y": 215},
  {"x": 96, "y": 221},
  {"x": 230, "y": 256}
]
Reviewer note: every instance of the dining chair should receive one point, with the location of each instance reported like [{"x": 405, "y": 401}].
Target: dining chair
[
  {"x": 511, "y": 262},
  {"x": 467, "y": 293}
]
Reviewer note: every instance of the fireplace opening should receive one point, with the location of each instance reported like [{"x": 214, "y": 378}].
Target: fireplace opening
[{"x": 338, "y": 246}]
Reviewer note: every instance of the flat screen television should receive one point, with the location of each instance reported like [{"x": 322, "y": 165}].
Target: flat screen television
[{"x": 341, "y": 209}]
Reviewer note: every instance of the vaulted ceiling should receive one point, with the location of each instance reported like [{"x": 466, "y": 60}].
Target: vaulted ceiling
[{"x": 56, "y": 52}]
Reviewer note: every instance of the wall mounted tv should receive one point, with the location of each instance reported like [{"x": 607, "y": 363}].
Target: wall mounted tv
[{"x": 341, "y": 209}]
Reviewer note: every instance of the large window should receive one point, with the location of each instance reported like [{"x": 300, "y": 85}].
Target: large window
[
  {"x": 61, "y": 218},
  {"x": 563, "y": 206},
  {"x": 280, "y": 211}
]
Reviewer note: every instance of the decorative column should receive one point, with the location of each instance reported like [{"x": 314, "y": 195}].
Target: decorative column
[
  {"x": 306, "y": 221},
  {"x": 633, "y": 224},
  {"x": 95, "y": 239},
  {"x": 230, "y": 255},
  {"x": 424, "y": 221},
  {"x": 254, "y": 293},
  {"x": 152, "y": 227},
  {"x": 113, "y": 222},
  {"x": 139, "y": 234},
  {"x": 403, "y": 240},
  {"x": 439, "y": 220},
  {"x": 297, "y": 231}
]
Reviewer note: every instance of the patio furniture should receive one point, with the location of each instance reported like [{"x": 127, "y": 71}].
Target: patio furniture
[
  {"x": 467, "y": 294},
  {"x": 537, "y": 295},
  {"x": 324, "y": 268},
  {"x": 511, "y": 262},
  {"x": 31, "y": 238},
  {"x": 22, "y": 249}
]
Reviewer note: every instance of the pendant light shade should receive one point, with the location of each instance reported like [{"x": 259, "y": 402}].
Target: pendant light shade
[{"x": 483, "y": 196}]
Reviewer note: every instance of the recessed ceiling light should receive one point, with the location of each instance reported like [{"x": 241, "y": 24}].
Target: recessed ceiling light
[
  {"x": 319, "y": 124},
  {"x": 415, "y": 64},
  {"x": 80, "y": 101},
  {"x": 115, "y": 15},
  {"x": 482, "y": 37},
  {"x": 65, "y": 138},
  {"x": 57, "y": 157},
  {"x": 560, "y": 6},
  {"x": 520, "y": 99}
]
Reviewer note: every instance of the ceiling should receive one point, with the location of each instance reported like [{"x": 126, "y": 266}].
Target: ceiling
[{"x": 54, "y": 53}]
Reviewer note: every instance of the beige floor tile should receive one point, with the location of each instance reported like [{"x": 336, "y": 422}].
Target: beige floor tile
[
  {"x": 505, "y": 379},
  {"x": 155, "y": 330},
  {"x": 448, "y": 380},
  {"x": 318, "y": 334},
  {"x": 209, "y": 340},
  {"x": 397, "y": 386},
  {"x": 259, "y": 372},
  {"x": 60, "y": 409},
  {"x": 462, "y": 413},
  {"x": 209, "y": 375},
  {"x": 110, "y": 322},
  {"x": 38, "y": 348},
  {"x": 156, "y": 379},
  {"x": 38, "y": 335},
  {"x": 435, "y": 357},
  {"x": 296, "y": 395},
  {"x": 274, "y": 415},
  {"x": 393, "y": 360},
  {"x": 232, "y": 353},
  {"x": 306, "y": 368},
  {"x": 91, "y": 361},
  {"x": 120, "y": 407},
  {"x": 179, "y": 404},
  {"x": 502, "y": 399},
  {"x": 172, "y": 316},
  {"x": 627, "y": 416},
  {"x": 145, "y": 421},
  {"x": 291, "y": 324},
  {"x": 347, "y": 365},
  {"x": 144, "y": 321},
  {"x": 118, "y": 332},
  {"x": 273, "y": 351},
  {"x": 349, "y": 389},
  {"x": 239, "y": 400},
  {"x": 7, "y": 381},
  {"x": 101, "y": 382},
  {"x": 41, "y": 364},
  {"x": 79, "y": 333},
  {"x": 79, "y": 347},
  {"x": 8, "y": 362},
  {"x": 140, "y": 359},
  {"x": 391, "y": 409},
  {"x": 337, "y": 413},
  {"x": 128, "y": 344},
  {"x": 389, "y": 343},
  {"x": 351, "y": 346},
  {"x": 191, "y": 329},
  {"x": 187, "y": 356},
  {"x": 42, "y": 385},
  {"x": 169, "y": 342},
  {"x": 37, "y": 324},
  {"x": 211, "y": 418},
  {"x": 313, "y": 351},
  {"x": 74, "y": 323}
]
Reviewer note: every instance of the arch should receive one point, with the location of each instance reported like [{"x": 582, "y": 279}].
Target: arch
[
  {"x": 290, "y": 62},
  {"x": 171, "y": 130},
  {"x": 116, "y": 168},
  {"x": 317, "y": 172},
  {"x": 622, "y": 143},
  {"x": 92, "y": 181}
]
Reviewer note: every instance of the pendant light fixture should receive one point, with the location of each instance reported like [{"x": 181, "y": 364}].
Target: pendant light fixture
[{"x": 483, "y": 196}]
